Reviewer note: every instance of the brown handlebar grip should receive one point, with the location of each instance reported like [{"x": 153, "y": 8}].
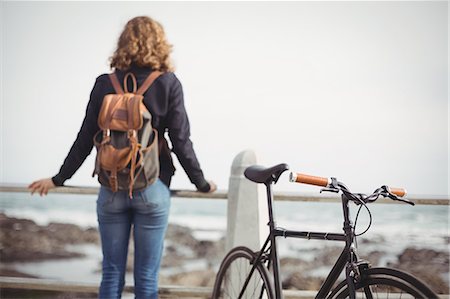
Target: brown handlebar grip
[
  {"x": 309, "y": 179},
  {"x": 398, "y": 191}
]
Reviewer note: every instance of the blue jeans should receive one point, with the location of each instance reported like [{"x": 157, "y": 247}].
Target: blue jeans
[{"x": 148, "y": 213}]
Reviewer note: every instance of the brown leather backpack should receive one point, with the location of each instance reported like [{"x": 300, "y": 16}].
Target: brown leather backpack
[{"x": 127, "y": 145}]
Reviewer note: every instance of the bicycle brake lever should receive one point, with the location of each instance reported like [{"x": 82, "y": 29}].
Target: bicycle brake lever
[
  {"x": 334, "y": 190},
  {"x": 332, "y": 187},
  {"x": 408, "y": 202},
  {"x": 396, "y": 198}
]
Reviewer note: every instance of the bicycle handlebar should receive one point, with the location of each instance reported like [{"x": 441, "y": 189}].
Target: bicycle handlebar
[
  {"x": 309, "y": 179},
  {"x": 331, "y": 184}
]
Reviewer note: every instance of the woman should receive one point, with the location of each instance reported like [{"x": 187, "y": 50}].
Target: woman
[{"x": 142, "y": 48}]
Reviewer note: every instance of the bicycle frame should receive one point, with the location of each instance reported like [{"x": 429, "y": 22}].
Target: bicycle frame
[{"x": 346, "y": 260}]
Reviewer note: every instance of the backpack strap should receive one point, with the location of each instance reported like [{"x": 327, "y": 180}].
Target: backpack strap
[
  {"x": 148, "y": 82},
  {"x": 115, "y": 83},
  {"x": 134, "y": 117}
]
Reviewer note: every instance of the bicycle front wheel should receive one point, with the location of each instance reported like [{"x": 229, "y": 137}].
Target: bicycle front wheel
[
  {"x": 386, "y": 283},
  {"x": 234, "y": 281}
]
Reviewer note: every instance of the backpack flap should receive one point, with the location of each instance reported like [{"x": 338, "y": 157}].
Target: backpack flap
[
  {"x": 121, "y": 112},
  {"x": 114, "y": 159}
]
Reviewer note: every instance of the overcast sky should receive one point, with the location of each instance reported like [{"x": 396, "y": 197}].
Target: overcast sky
[{"x": 356, "y": 90}]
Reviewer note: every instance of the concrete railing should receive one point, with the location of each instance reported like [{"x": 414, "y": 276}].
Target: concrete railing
[{"x": 246, "y": 225}]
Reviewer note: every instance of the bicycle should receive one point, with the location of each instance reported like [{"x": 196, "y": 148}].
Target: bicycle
[{"x": 244, "y": 273}]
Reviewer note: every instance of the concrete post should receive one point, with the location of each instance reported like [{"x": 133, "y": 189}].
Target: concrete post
[{"x": 247, "y": 206}]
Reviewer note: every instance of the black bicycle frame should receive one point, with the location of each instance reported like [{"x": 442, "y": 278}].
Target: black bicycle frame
[{"x": 270, "y": 245}]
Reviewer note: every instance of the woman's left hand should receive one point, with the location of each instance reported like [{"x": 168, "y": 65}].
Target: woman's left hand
[
  {"x": 212, "y": 187},
  {"x": 41, "y": 186}
]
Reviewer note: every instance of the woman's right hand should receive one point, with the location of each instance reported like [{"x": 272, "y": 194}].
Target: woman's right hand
[{"x": 41, "y": 186}]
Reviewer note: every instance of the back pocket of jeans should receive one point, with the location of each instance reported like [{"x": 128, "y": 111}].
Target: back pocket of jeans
[{"x": 105, "y": 196}]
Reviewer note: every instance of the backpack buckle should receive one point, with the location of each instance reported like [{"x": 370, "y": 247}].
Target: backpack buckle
[
  {"x": 106, "y": 133},
  {"x": 132, "y": 133}
]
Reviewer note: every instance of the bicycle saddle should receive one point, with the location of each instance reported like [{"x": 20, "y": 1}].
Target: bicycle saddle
[{"x": 261, "y": 174}]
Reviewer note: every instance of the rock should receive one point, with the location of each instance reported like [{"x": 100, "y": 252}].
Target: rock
[
  {"x": 14, "y": 273},
  {"x": 193, "y": 278},
  {"x": 429, "y": 265},
  {"x": 24, "y": 240},
  {"x": 374, "y": 257},
  {"x": 299, "y": 282},
  {"x": 327, "y": 256},
  {"x": 182, "y": 235}
]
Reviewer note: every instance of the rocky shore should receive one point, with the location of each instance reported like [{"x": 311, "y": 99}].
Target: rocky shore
[
  {"x": 22, "y": 240},
  {"x": 192, "y": 262}
]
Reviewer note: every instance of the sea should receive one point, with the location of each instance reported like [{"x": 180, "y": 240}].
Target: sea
[{"x": 394, "y": 227}]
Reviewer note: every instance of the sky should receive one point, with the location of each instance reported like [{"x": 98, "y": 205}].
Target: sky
[{"x": 354, "y": 90}]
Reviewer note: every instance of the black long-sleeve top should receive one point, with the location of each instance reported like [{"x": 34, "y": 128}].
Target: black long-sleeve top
[{"x": 165, "y": 102}]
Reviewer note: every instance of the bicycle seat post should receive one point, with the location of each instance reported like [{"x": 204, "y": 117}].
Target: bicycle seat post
[
  {"x": 273, "y": 248},
  {"x": 270, "y": 206}
]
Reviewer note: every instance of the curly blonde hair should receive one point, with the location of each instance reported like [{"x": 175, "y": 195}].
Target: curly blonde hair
[{"x": 143, "y": 43}]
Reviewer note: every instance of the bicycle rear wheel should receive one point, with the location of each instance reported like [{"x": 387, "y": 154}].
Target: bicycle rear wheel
[
  {"x": 233, "y": 273},
  {"x": 386, "y": 283}
]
